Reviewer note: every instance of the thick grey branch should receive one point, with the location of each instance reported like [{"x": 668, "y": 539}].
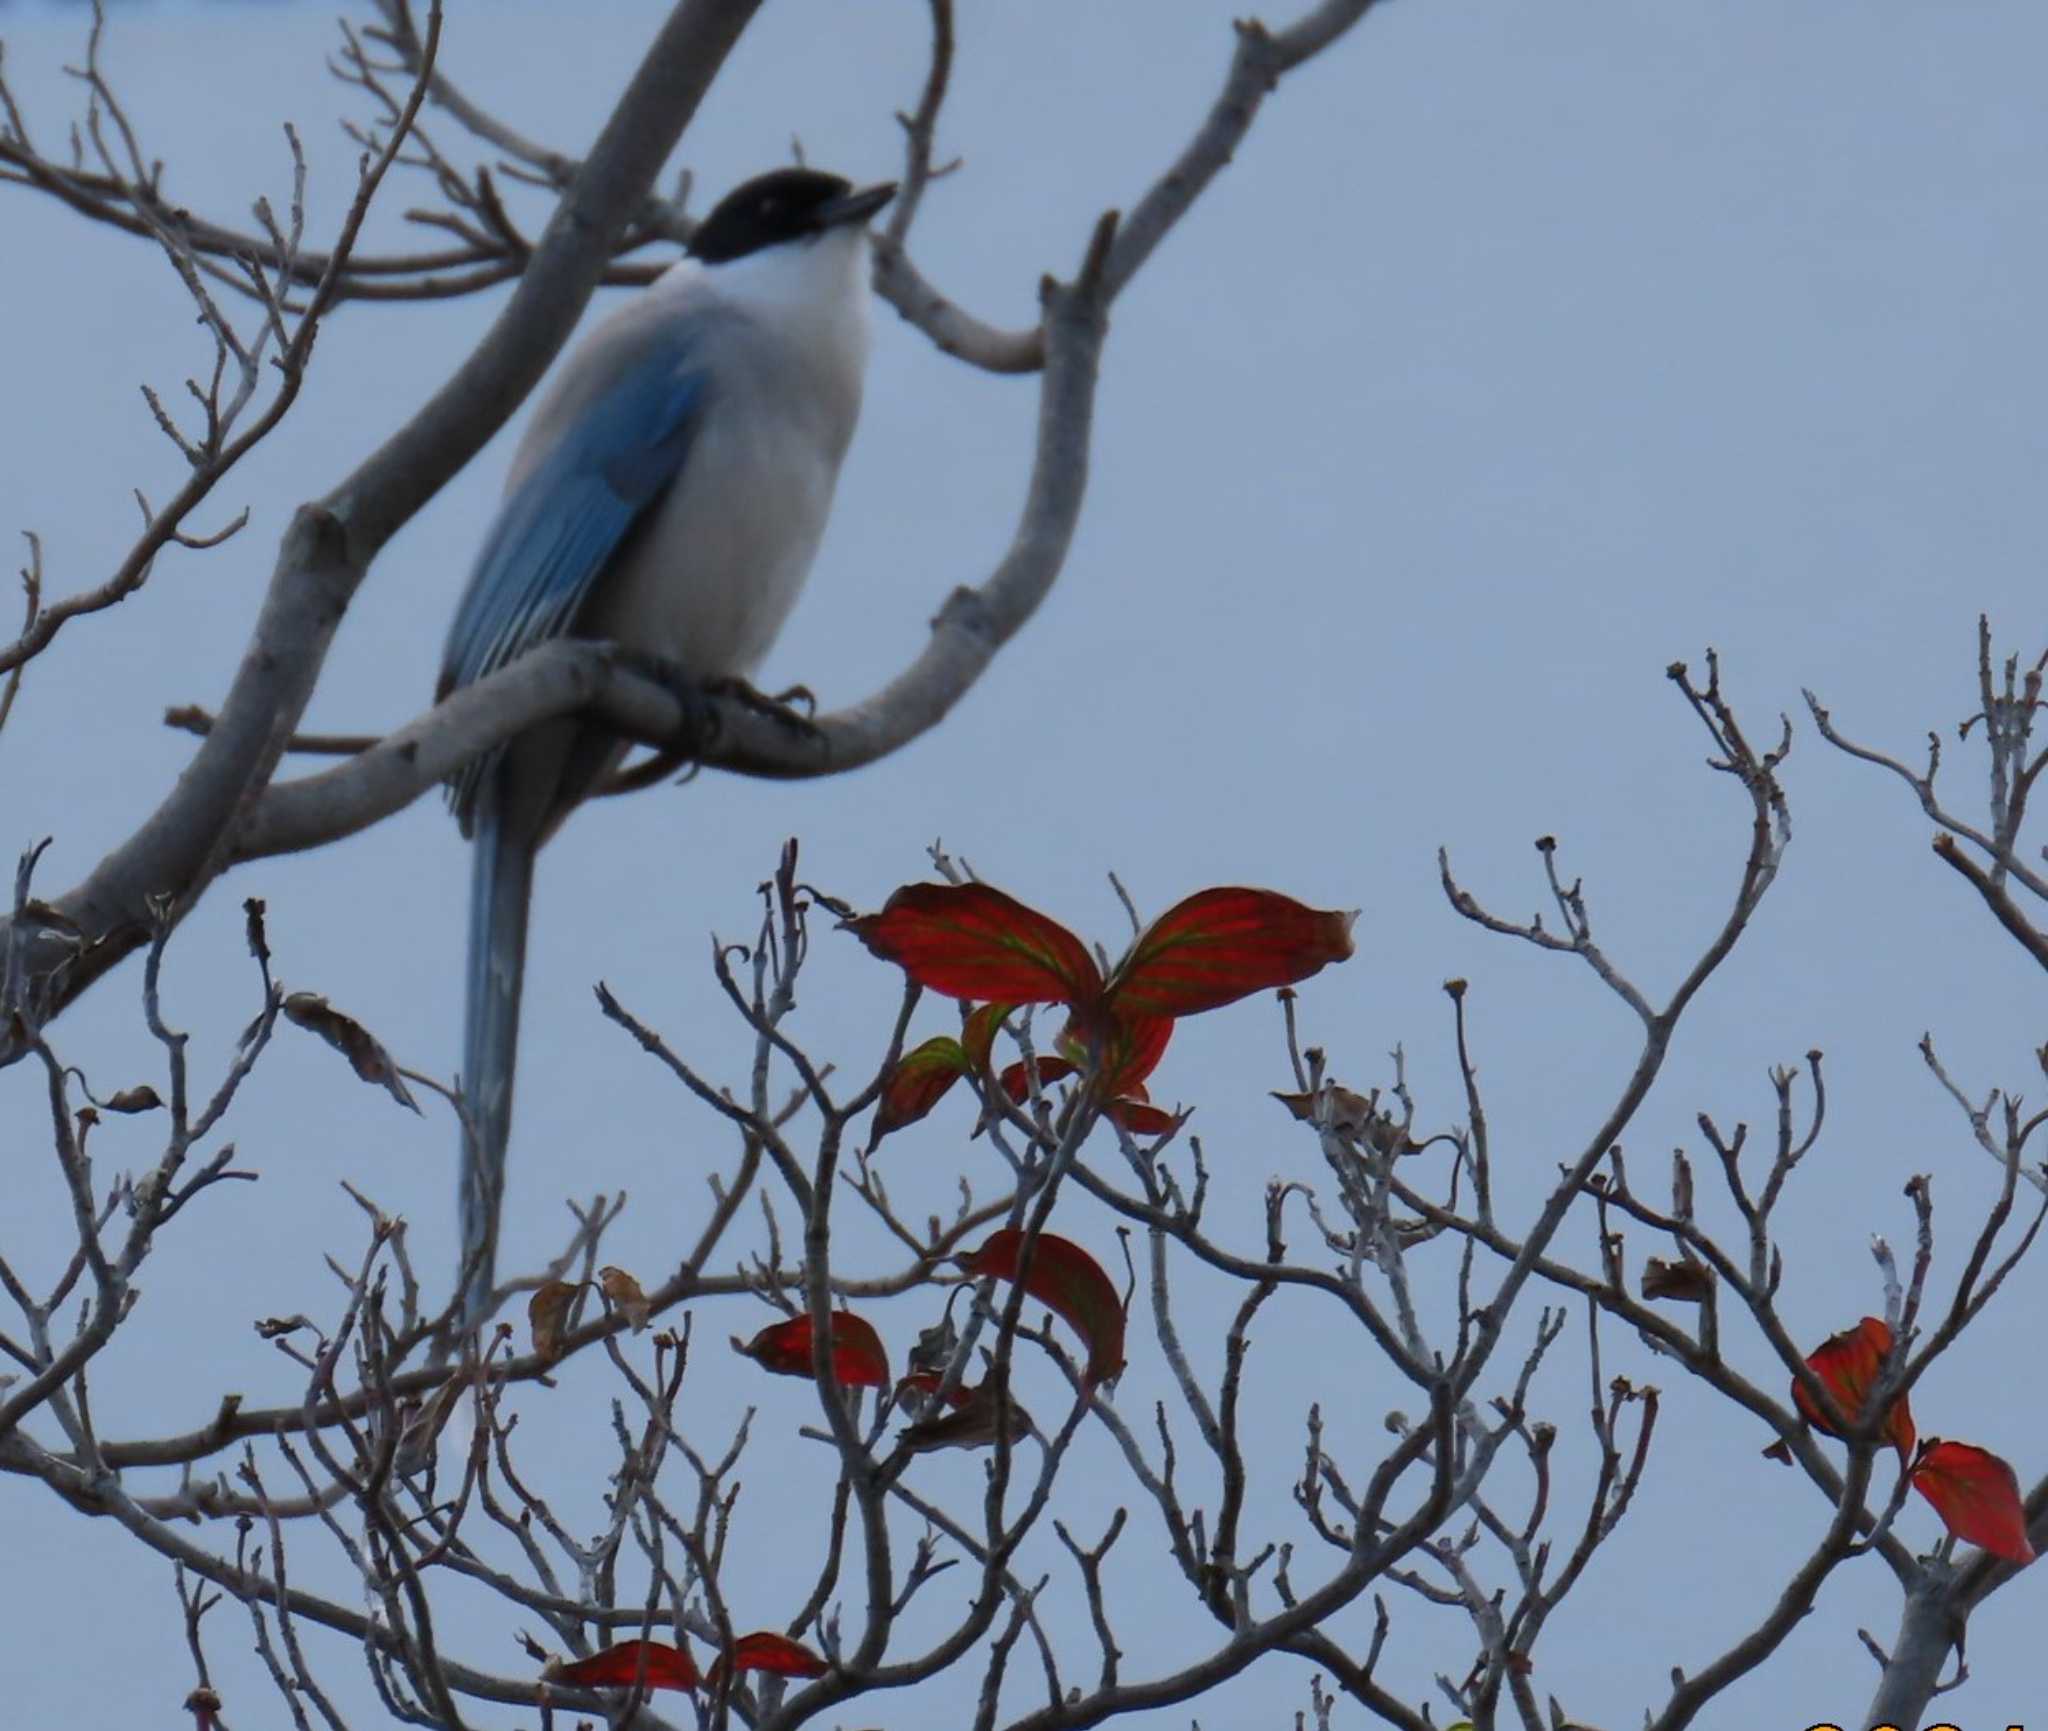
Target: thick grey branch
[
  {"x": 328, "y": 551},
  {"x": 329, "y": 547}
]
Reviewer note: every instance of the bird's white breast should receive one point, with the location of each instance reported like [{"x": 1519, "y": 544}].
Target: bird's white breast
[{"x": 708, "y": 578}]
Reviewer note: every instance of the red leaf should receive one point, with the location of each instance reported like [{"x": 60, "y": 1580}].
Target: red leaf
[
  {"x": 918, "y": 1083},
  {"x": 618, "y": 1667},
  {"x": 858, "y": 1360},
  {"x": 1131, "y": 1059},
  {"x": 1977, "y": 1496},
  {"x": 978, "y": 1033},
  {"x": 971, "y": 941},
  {"x": 1140, "y": 1117},
  {"x": 1849, "y": 1363},
  {"x": 1219, "y": 945},
  {"x": 1016, "y": 1079},
  {"x": 1125, "y": 1050},
  {"x": 926, "y": 1383},
  {"x": 1135, "y": 1046},
  {"x": 1068, "y": 1279},
  {"x": 768, "y": 1651}
]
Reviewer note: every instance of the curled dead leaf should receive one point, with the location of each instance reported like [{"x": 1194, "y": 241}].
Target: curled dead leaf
[
  {"x": 623, "y": 1293},
  {"x": 1681, "y": 1282},
  {"x": 420, "y": 1424},
  {"x": 1349, "y": 1113},
  {"x": 352, "y": 1040},
  {"x": 547, "y": 1314},
  {"x": 971, "y": 1425}
]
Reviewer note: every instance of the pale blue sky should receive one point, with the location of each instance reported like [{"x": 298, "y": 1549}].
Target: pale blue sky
[{"x": 1522, "y": 351}]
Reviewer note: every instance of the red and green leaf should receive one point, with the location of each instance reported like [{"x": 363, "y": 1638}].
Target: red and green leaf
[
  {"x": 1125, "y": 1052},
  {"x": 858, "y": 1360},
  {"x": 1132, "y": 1052},
  {"x": 1016, "y": 1078},
  {"x": 978, "y": 1032},
  {"x": 1977, "y": 1496},
  {"x": 1133, "y": 1110},
  {"x": 1071, "y": 1282},
  {"x": 1849, "y": 1364},
  {"x": 768, "y": 1651},
  {"x": 919, "y": 1082},
  {"x": 1220, "y": 945},
  {"x": 973, "y": 941},
  {"x": 1139, "y": 1116},
  {"x": 620, "y": 1667}
]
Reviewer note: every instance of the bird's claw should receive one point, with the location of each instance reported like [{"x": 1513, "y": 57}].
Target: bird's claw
[
  {"x": 781, "y": 708},
  {"x": 700, "y": 725}
]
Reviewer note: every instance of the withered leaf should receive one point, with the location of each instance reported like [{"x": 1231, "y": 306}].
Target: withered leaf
[
  {"x": 1349, "y": 1113},
  {"x": 352, "y": 1040},
  {"x": 547, "y": 1313},
  {"x": 971, "y": 1425},
  {"x": 420, "y": 1424},
  {"x": 252, "y": 916},
  {"x": 1681, "y": 1282},
  {"x": 624, "y": 1294}
]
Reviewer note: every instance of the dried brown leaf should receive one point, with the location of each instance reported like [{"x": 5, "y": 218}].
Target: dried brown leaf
[
  {"x": 1681, "y": 1282},
  {"x": 352, "y": 1040},
  {"x": 547, "y": 1313},
  {"x": 623, "y": 1293}
]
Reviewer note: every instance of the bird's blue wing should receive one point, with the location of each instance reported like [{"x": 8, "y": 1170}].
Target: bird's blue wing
[{"x": 557, "y": 530}]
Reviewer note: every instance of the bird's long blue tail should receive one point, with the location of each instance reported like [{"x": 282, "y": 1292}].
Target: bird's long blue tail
[{"x": 501, "y": 884}]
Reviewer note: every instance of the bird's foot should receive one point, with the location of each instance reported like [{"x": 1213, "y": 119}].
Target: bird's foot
[
  {"x": 793, "y": 708},
  {"x": 700, "y": 726}
]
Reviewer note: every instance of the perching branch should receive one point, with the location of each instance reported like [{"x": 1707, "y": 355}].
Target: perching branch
[
  {"x": 330, "y": 546},
  {"x": 225, "y": 808}
]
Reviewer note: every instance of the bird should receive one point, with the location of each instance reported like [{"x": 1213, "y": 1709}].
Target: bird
[{"x": 667, "y": 496}]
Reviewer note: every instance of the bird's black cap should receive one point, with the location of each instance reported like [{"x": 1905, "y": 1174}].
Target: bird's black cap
[{"x": 783, "y": 205}]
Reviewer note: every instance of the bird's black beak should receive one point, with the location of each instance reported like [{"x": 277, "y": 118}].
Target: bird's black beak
[{"x": 854, "y": 206}]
